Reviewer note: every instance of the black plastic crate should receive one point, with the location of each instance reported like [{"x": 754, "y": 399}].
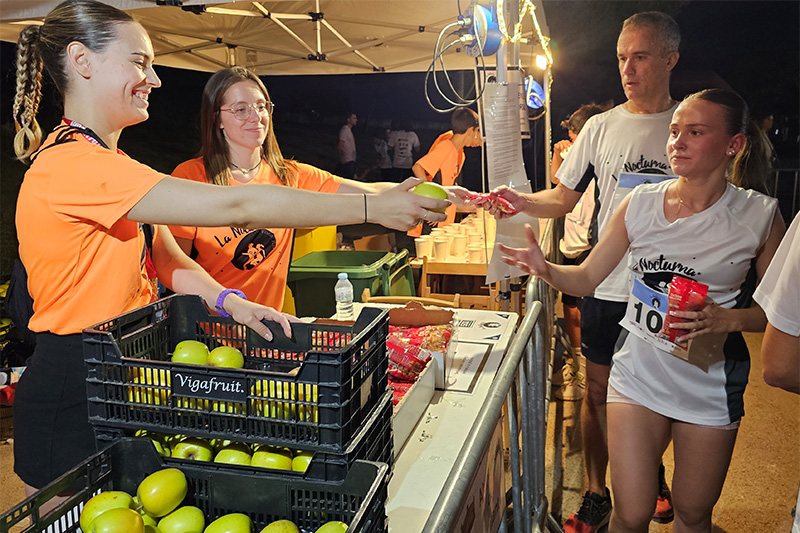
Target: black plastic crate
[
  {"x": 358, "y": 501},
  {"x": 373, "y": 442},
  {"x": 342, "y": 376}
]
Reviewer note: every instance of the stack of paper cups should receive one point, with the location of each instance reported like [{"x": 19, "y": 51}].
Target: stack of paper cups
[
  {"x": 441, "y": 248},
  {"x": 459, "y": 246},
  {"x": 424, "y": 247},
  {"x": 475, "y": 253}
]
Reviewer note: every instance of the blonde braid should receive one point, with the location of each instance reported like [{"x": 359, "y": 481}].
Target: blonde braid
[{"x": 28, "y": 95}]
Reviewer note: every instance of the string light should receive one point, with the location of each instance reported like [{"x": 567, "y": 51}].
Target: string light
[{"x": 527, "y": 6}]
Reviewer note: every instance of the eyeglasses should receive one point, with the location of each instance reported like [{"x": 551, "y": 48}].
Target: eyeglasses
[{"x": 242, "y": 111}]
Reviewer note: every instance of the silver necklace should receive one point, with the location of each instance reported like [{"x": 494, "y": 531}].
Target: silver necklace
[{"x": 246, "y": 170}]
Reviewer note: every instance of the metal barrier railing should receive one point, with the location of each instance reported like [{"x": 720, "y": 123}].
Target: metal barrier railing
[{"x": 521, "y": 381}]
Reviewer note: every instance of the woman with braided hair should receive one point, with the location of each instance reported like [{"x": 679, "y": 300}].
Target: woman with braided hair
[{"x": 82, "y": 206}]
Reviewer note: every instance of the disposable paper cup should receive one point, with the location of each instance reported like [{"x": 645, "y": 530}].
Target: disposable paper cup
[
  {"x": 424, "y": 247},
  {"x": 437, "y": 232},
  {"x": 459, "y": 246},
  {"x": 475, "y": 253},
  {"x": 441, "y": 247},
  {"x": 474, "y": 237}
]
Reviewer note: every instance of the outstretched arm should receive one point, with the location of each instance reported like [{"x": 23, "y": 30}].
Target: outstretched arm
[
  {"x": 582, "y": 279},
  {"x": 549, "y": 203},
  {"x": 274, "y": 206}
]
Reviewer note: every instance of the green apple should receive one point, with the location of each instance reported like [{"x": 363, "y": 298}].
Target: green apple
[
  {"x": 301, "y": 460},
  {"x": 120, "y": 520},
  {"x": 272, "y": 457},
  {"x": 193, "y": 448},
  {"x": 159, "y": 442},
  {"x": 190, "y": 352},
  {"x": 186, "y": 519},
  {"x": 332, "y": 527},
  {"x": 431, "y": 190},
  {"x": 281, "y": 526},
  {"x": 226, "y": 356},
  {"x": 162, "y": 491},
  {"x": 235, "y": 453},
  {"x": 231, "y": 523},
  {"x": 100, "y": 503}
]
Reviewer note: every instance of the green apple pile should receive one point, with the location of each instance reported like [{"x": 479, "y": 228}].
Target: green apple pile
[
  {"x": 157, "y": 508},
  {"x": 230, "y": 452},
  {"x": 302, "y": 404},
  {"x": 196, "y": 353}
]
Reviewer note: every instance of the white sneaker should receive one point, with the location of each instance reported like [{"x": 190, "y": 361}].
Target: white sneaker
[{"x": 573, "y": 388}]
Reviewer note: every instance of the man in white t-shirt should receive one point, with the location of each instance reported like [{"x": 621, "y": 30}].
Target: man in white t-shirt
[
  {"x": 619, "y": 149},
  {"x": 778, "y": 294},
  {"x": 347, "y": 149}
]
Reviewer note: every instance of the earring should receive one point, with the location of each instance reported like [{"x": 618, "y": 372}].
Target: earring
[{"x": 731, "y": 152}]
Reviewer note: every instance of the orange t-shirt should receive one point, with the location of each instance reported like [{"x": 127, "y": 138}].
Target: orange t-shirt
[
  {"x": 85, "y": 260},
  {"x": 253, "y": 261},
  {"x": 445, "y": 157}
]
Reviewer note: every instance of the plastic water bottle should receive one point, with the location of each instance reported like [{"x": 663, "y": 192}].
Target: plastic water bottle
[{"x": 344, "y": 298}]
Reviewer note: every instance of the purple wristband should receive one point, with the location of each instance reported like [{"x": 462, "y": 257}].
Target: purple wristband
[{"x": 221, "y": 299}]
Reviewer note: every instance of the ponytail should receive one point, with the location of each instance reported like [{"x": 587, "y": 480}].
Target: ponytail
[
  {"x": 29, "y": 93},
  {"x": 751, "y": 166}
]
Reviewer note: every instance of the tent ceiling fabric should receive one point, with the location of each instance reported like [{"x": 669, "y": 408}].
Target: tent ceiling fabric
[{"x": 383, "y": 35}]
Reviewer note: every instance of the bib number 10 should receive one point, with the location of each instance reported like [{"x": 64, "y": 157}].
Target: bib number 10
[{"x": 652, "y": 318}]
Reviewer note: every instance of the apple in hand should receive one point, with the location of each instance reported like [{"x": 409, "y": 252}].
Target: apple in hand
[
  {"x": 100, "y": 503},
  {"x": 281, "y": 526},
  {"x": 235, "y": 453},
  {"x": 190, "y": 352},
  {"x": 301, "y": 460},
  {"x": 271, "y": 457},
  {"x": 162, "y": 491},
  {"x": 231, "y": 523},
  {"x": 431, "y": 190},
  {"x": 226, "y": 356},
  {"x": 186, "y": 519},
  {"x": 194, "y": 449},
  {"x": 119, "y": 520},
  {"x": 332, "y": 527}
]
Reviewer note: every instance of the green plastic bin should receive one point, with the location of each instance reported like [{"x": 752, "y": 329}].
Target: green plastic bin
[{"x": 312, "y": 277}]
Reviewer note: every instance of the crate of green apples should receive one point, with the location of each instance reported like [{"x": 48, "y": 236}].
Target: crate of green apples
[
  {"x": 172, "y": 367},
  {"x": 127, "y": 488}
]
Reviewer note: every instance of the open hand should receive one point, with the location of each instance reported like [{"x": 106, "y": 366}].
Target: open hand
[
  {"x": 529, "y": 259},
  {"x": 505, "y": 202},
  {"x": 251, "y": 315}
]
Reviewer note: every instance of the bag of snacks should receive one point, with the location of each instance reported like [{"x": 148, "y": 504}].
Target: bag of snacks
[{"x": 684, "y": 295}]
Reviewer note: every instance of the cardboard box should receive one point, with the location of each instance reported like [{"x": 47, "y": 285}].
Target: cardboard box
[
  {"x": 415, "y": 315},
  {"x": 408, "y": 412}
]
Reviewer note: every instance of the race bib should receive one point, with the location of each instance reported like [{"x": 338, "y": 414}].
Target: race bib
[{"x": 644, "y": 317}]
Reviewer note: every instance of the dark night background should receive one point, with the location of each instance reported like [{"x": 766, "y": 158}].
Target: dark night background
[{"x": 751, "y": 46}]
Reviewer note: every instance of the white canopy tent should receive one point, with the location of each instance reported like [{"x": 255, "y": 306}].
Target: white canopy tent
[{"x": 284, "y": 36}]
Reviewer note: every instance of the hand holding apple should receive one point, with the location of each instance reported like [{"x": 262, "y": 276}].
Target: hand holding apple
[{"x": 395, "y": 208}]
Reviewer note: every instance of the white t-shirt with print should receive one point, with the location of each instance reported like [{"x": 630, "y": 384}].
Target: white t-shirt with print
[
  {"x": 714, "y": 247},
  {"x": 611, "y": 144}
]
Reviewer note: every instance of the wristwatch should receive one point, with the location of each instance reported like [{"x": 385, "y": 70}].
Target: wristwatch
[{"x": 221, "y": 299}]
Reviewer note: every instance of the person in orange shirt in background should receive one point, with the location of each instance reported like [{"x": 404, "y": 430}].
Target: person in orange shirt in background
[{"x": 445, "y": 158}]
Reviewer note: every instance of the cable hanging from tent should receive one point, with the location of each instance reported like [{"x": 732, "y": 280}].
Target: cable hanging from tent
[{"x": 439, "y": 51}]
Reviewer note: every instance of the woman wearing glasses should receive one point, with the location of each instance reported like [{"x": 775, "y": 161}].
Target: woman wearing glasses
[{"x": 239, "y": 148}]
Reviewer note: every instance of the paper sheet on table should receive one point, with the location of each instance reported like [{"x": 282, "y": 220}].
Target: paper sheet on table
[
  {"x": 465, "y": 367},
  {"x": 505, "y": 167}
]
